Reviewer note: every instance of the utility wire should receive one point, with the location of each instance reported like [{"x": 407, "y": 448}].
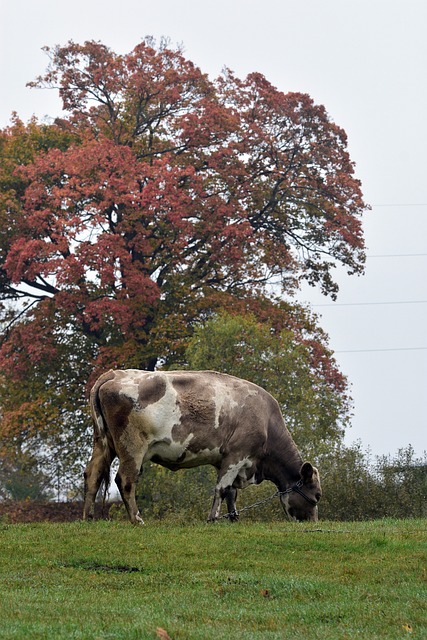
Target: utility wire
[
  {"x": 414, "y": 204},
  {"x": 397, "y": 255},
  {"x": 379, "y": 350},
  {"x": 363, "y": 304}
]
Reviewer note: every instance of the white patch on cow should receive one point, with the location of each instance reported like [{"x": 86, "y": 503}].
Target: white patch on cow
[
  {"x": 101, "y": 426},
  {"x": 129, "y": 388},
  {"x": 203, "y": 456},
  {"x": 161, "y": 416},
  {"x": 168, "y": 450},
  {"x": 218, "y": 406},
  {"x": 284, "y": 498},
  {"x": 217, "y": 511},
  {"x": 233, "y": 471},
  {"x": 223, "y": 400}
]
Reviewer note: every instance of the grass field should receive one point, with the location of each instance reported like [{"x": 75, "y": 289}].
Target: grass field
[{"x": 252, "y": 581}]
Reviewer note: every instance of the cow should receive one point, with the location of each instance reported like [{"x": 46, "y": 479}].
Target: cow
[{"x": 182, "y": 419}]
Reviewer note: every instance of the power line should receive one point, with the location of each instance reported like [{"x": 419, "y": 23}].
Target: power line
[
  {"x": 397, "y": 255},
  {"x": 414, "y": 204},
  {"x": 381, "y": 350},
  {"x": 364, "y": 304}
]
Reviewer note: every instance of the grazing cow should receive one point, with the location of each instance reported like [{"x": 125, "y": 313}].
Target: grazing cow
[{"x": 182, "y": 419}]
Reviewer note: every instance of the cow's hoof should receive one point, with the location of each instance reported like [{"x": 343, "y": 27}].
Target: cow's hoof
[{"x": 139, "y": 520}]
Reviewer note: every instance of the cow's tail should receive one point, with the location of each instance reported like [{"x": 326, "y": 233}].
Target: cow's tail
[{"x": 100, "y": 433}]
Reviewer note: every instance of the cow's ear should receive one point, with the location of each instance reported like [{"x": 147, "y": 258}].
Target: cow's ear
[{"x": 307, "y": 472}]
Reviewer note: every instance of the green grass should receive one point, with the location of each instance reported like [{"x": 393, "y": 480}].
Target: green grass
[{"x": 254, "y": 581}]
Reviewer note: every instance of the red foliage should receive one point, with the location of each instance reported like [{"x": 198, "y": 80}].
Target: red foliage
[{"x": 159, "y": 193}]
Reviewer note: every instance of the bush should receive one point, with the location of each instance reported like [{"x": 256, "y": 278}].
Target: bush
[{"x": 355, "y": 488}]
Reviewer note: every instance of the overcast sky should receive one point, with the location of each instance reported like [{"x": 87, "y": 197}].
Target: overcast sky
[{"x": 366, "y": 61}]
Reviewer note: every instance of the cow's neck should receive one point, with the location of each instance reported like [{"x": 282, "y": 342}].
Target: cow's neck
[{"x": 283, "y": 461}]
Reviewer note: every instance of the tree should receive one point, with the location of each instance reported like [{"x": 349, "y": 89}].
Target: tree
[
  {"x": 160, "y": 197},
  {"x": 22, "y": 479}
]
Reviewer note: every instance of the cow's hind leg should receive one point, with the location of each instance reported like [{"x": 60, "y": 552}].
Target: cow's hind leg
[
  {"x": 126, "y": 479},
  {"x": 96, "y": 472}
]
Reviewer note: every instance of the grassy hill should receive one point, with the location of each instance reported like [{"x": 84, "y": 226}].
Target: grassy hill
[{"x": 108, "y": 580}]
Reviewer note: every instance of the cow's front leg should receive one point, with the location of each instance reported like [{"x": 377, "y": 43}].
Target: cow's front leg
[
  {"x": 126, "y": 479},
  {"x": 224, "y": 489},
  {"x": 230, "y": 498},
  {"x": 229, "y": 494}
]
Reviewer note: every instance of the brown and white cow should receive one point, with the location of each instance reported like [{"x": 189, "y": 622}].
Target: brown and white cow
[{"x": 182, "y": 419}]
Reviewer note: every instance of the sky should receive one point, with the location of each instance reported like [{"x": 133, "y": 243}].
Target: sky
[{"x": 366, "y": 61}]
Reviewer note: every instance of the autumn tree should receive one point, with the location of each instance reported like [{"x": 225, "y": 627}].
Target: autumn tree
[{"x": 159, "y": 197}]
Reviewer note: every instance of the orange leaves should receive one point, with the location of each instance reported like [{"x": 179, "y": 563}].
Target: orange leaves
[
  {"x": 160, "y": 197},
  {"x": 234, "y": 176}
]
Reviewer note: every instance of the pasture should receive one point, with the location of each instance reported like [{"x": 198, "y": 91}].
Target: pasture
[{"x": 108, "y": 580}]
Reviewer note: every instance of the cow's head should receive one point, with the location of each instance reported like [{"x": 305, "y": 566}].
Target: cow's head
[{"x": 300, "y": 500}]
